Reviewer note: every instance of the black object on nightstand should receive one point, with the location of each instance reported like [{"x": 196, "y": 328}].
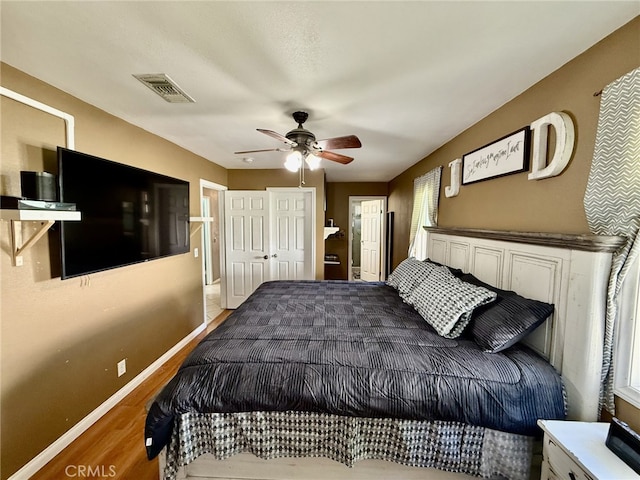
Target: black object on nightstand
[{"x": 625, "y": 443}]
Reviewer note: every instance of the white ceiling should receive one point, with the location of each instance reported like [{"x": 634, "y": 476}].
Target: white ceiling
[{"x": 404, "y": 76}]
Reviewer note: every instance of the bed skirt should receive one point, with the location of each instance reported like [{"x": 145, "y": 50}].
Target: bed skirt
[{"x": 448, "y": 446}]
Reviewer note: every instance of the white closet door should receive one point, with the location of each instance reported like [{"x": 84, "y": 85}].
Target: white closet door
[
  {"x": 292, "y": 235},
  {"x": 247, "y": 240}
]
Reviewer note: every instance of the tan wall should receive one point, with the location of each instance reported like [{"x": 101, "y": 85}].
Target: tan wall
[
  {"x": 513, "y": 202},
  {"x": 61, "y": 340},
  {"x": 260, "y": 179},
  {"x": 338, "y": 194},
  {"x": 628, "y": 414}
]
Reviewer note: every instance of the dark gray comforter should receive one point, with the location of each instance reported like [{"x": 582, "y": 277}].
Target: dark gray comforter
[{"x": 352, "y": 348}]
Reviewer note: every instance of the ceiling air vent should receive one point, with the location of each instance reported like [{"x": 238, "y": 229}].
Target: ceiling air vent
[{"x": 165, "y": 87}]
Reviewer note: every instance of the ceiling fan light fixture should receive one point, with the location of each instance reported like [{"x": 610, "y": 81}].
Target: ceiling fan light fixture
[
  {"x": 305, "y": 150},
  {"x": 313, "y": 161},
  {"x": 294, "y": 161}
]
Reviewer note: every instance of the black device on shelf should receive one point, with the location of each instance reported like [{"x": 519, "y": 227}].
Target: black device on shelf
[
  {"x": 21, "y": 203},
  {"x": 129, "y": 215},
  {"x": 625, "y": 443},
  {"x": 38, "y": 186}
]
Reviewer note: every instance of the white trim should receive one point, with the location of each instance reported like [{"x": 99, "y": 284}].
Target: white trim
[
  {"x": 211, "y": 185},
  {"x": 205, "y": 208},
  {"x": 68, "y": 119},
  {"x": 83, "y": 425},
  {"x": 629, "y": 394}
]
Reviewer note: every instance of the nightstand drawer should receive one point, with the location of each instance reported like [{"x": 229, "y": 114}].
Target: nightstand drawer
[{"x": 562, "y": 465}]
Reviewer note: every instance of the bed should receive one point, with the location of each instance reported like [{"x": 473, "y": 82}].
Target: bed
[{"x": 352, "y": 372}]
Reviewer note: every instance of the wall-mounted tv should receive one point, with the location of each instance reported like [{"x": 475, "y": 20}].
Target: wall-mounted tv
[{"x": 129, "y": 215}]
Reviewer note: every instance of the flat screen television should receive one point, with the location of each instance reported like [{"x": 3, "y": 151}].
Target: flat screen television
[{"x": 129, "y": 215}]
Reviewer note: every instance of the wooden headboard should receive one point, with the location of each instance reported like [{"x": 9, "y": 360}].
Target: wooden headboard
[{"x": 570, "y": 271}]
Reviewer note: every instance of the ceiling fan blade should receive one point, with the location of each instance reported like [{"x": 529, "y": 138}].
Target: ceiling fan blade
[
  {"x": 277, "y": 136},
  {"x": 350, "y": 141},
  {"x": 334, "y": 157},
  {"x": 262, "y": 150}
]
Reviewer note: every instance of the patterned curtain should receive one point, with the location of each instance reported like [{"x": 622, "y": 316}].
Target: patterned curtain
[
  {"x": 612, "y": 198},
  {"x": 426, "y": 190}
]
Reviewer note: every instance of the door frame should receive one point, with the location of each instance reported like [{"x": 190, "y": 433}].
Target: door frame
[
  {"x": 383, "y": 228},
  {"x": 223, "y": 291},
  {"x": 206, "y": 242}
]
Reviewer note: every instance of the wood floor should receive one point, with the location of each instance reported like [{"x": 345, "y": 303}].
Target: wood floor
[{"x": 114, "y": 446}]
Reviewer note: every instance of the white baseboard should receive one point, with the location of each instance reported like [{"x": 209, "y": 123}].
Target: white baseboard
[{"x": 83, "y": 425}]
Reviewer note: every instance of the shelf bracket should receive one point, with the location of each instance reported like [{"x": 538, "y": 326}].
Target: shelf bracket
[
  {"x": 199, "y": 222},
  {"x": 18, "y": 247},
  {"x": 196, "y": 229},
  {"x": 330, "y": 231}
]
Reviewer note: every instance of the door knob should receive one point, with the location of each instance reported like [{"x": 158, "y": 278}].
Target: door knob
[
  {"x": 266, "y": 257},
  {"x": 275, "y": 255}
]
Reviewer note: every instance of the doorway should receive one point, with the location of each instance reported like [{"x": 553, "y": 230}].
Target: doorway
[
  {"x": 212, "y": 272},
  {"x": 361, "y": 242}
]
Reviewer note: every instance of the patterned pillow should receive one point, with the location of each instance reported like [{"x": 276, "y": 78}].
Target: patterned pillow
[
  {"x": 407, "y": 275},
  {"x": 508, "y": 320},
  {"x": 446, "y": 302},
  {"x": 401, "y": 272}
]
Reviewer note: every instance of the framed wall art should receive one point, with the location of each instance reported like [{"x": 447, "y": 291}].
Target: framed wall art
[{"x": 505, "y": 156}]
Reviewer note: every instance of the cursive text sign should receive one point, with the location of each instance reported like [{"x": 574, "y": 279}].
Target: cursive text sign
[{"x": 507, "y": 155}]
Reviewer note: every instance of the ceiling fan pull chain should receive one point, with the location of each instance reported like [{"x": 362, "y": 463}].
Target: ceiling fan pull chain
[{"x": 301, "y": 173}]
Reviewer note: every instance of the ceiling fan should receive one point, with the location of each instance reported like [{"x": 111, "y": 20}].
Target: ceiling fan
[{"x": 303, "y": 145}]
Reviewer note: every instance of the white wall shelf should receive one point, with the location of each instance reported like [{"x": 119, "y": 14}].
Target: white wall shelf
[
  {"x": 40, "y": 215},
  {"x": 330, "y": 231},
  {"x": 47, "y": 219}
]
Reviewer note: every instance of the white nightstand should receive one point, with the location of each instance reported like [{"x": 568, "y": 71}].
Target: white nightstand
[{"x": 576, "y": 451}]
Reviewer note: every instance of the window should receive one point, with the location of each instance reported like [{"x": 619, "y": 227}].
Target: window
[
  {"x": 627, "y": 352},
  {"x": 426, "y": 190}
]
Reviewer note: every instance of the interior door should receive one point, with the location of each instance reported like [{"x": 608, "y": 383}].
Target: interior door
[
  {"x": 371, "y": 240},
  {"x": 292, "y": 235},
  {"x": 247, "y": 238}
]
